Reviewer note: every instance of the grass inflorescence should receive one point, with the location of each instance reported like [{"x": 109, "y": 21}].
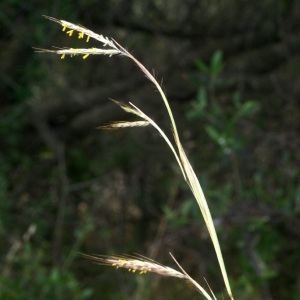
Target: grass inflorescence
[{"x": 139, "y": 263}]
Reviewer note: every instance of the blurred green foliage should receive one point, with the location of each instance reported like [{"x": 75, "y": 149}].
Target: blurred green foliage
[
  {"x": 258, "y": 243},
  {"x": 28, "y": 276}
]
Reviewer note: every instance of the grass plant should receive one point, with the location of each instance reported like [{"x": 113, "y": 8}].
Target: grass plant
[{"x": 139, "y": 263}]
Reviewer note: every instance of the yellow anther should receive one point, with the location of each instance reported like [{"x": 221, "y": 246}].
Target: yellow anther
[
  {"x": 80, "y": 35},
  {"x": 64, "y": 27},
  {"x": 143, "y": 272},
  {"x": 85, "y": 56},
  {"x": 87, "y": 39},
  {"x": 70, "y": 32},
  {"x": 63, "y": 56}
]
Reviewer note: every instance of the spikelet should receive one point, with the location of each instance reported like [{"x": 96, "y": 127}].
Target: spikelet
[
  {"x": 123, "y": 124},
  {"x": 76, "y": 51},
  {"x": 136, "y": 264},
  {"x": 82, "y": 31}
]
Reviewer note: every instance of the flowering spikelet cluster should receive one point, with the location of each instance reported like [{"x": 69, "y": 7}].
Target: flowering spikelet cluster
[
  {"x": 69, "y": 28},
  {"x": 124, "y": 124},
  {"x": 136, "y": 264}
]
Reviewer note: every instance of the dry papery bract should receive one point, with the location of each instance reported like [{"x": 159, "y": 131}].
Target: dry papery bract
[{"x": 139, "y": 263}]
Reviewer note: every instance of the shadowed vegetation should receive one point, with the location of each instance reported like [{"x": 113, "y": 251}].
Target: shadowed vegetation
[{"x": 231, "y": 71}]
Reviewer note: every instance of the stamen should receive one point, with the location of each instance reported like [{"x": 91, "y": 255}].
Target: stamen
[{"x": 70, "y": 32}]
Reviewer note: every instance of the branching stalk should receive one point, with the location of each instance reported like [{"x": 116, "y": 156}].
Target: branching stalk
[{"x": 111, "y": 47}]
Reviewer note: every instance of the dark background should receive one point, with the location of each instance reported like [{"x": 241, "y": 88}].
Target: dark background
[{"x": 230, "y": 69}]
